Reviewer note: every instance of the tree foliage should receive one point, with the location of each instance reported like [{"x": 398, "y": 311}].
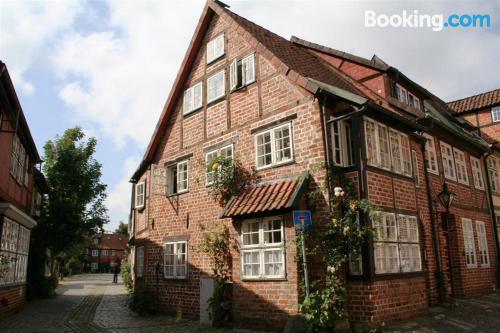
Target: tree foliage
[
  {"x": 122, "y": 229},
  {"x": 75, "y": 208}
]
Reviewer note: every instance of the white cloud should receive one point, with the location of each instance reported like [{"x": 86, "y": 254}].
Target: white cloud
[
  {"x": 118, "y": 200},
  {"x": 26, "y": 27},
  {"x": 119, "y": 79}
]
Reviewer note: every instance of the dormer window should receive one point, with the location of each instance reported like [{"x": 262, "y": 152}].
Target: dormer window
[
  {"x": 406, "y": 97},
  {"x": 242, "y": 72},
  {"x": 215, "y": 48}
]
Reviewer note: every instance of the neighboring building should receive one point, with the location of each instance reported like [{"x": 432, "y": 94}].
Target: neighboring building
[
  {"x": 483, "y": 111},
  {"x": 21, "y": 190},
  {"x": 105, "y": 251},
  {"x": 285, "y": 108}
]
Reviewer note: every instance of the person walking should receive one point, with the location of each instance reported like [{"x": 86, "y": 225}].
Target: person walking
[{"x": 115, "y": 273}]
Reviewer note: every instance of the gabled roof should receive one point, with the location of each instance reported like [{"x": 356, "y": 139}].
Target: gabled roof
[
  {"x": 477, "y": 102},
  {"x": 112, "y": 241},
  {"x": 294, "y": 62}
]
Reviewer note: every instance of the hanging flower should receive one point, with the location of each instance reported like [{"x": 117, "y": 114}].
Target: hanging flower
[{"x": 338, "y": 191}]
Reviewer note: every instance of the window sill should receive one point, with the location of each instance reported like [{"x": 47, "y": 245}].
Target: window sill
[
  {"x": 277, "y": 279},
  {"x": 243, "y": 87},
  {"x": 402, "y": 175},
  {"x": 192, "y": 112},
  {"x": 170, "y": 278},
  {"x": 292, "y": 161},
  {"x": 216, "y": 100},
  {"x": 400, "y": 275},
  {"x": 177, "y": 194},
  {"x": 214, "y": 60}
]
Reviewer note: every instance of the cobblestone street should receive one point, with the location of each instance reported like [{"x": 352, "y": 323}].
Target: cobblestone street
[{"x": 89, "y": 304}]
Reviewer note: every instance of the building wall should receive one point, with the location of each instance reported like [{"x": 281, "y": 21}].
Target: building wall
[
  {"x": 15, "y": 298},
  {"x": 271, "y": 98}
]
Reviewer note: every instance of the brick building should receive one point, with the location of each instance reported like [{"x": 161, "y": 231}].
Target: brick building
[
  {"x": 483, "y": 112},
  {"x": 21, "y": 188},
  {"x": 285, "y": 108},
  {"x": 105, "y": 251}
]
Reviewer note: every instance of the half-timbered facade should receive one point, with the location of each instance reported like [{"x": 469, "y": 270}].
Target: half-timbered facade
[{"x": 284, "y": 109}]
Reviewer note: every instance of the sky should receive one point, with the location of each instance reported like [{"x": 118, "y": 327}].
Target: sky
[{"x": 108, "y": 66}]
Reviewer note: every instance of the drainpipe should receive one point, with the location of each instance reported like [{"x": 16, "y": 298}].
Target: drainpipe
[
  {"x": 435, "y": 235},
  {"x": 493, "y": 217}
]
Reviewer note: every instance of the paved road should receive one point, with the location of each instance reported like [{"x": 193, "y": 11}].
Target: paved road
[{"x": 90, "y": 303}]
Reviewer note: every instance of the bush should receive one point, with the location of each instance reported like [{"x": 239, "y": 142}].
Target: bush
[
  {"x": 143, "y": 301},
  {"x": 126, "y": 272}
]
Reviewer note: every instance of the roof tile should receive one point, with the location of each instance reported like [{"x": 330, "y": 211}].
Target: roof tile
[{"x": 476, "y": 102}]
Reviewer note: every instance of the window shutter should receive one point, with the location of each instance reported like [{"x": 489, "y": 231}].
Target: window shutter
[{"x": 233, "y": 77}]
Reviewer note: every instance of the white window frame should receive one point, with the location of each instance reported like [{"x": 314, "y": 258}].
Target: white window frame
[
  {"x": 262, "y": 247},
  {"x": 273, "y": 146},
  {"x": 393, "y": 233},
  {"x": 495, "y": 114},
  {"x": 105, "y": 253},
  {"x": 448, "y": 161},
  {"x": 175, "y": 256},
  {"x": 492, "y": 163},
  {"x": 174, "y": 178},
  {"x": 212, "y": 52},
  {"x": 94, "y": 266},
  {"x": 211, "y": 80},
  {"x": 139, "y": 261},
  {"x": 431, "y": 160},
  {"x": 217, "y": 153},
  {"x": 477, "y": 173},
  {"x": 413, "y": 101},
  {"x": 341, "y": 142},
  {"x": 190, "y": 103},
  {"x": 461, "y": 166},
  {"x": 95, "y": 253},
  {"x": 484, "y": 256},
  {"x": 140, "y": 196},
  {"x": 239, "y": 74},
  {"x": 406, "y": 97},
  {"x": 469, "y": 243}
]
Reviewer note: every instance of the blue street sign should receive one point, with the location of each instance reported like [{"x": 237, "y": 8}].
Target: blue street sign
[{"x": 301, "y": 219}]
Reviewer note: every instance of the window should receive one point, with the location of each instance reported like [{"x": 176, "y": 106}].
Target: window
[
  {"x": 14, "y": 245},
  {"x": 448, "y": 163},
  {"x": 495, "y": 113},
  {"x": 242, "y": 72},
  {"x": 274, "y": 146},
  {"x": 175, "y": 265},
  {"x": 96, "y": 241},
  {"x": 113, "y": 253},
  {"x": 340, "y": 132},
  {"x": 387, "y": 148},
  {"x": 483, "y": 244},
  {"x": 105, "y": 253},
  {"x": 416, "y": 176},
  {"x": 94, "y": 266},
  {"x": 477, "y": 174},
  {"x": 263, "y": 248},
  {"x": 396, "y": 244},
  {"x": 95, "y": 253},
  {"x": 470, "y": 253},
  {"x": 139, "y": 194},
  {"x": 139, "y": 261},
  {"x": 430, "y": 155},
  {"x": 216, "y": 86},
  {"x": 215, "y": 48},
  {"x": 178, "y": 178},
  {"x": 193, "y": 98},
  {"x": 224, "y": 152},
  {"x": 406, "y": 97},
  {"x": 461, "y": 166},
  {"x": 18, "y": 160},
  {"x": 492, "y": 163}
]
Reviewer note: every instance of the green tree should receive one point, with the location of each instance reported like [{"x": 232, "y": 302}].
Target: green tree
[
  {"x": 122, "y": 229},
  {"x": 75, "y": 206}
]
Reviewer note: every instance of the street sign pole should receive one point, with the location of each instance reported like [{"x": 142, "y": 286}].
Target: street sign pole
[
  {"x": 302, "y": 220},
  {"x": 304, "y": 263}
]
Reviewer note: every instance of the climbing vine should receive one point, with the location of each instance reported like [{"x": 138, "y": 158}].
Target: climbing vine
[
  {"x": 216, "y": 245},
  {"x": 339, "y": 241}
]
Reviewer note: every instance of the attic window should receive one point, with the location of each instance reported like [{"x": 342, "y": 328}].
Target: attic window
[
  {"x": 242, "y": 72},
  {"x": 215, "y": 48},
  {"x": 406, "y": 97},
  {"x": 193, "y": 98}
]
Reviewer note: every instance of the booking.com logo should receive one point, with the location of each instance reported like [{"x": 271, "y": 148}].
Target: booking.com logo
[{"x": 415, "y": 20}]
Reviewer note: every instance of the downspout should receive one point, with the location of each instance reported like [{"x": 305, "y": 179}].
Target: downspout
[
  {"x": 435, "y": 235},
  {"x": 493, "y": 218}
]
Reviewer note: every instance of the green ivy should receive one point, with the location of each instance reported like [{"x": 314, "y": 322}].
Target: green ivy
[{"x": 343, "y": 237}]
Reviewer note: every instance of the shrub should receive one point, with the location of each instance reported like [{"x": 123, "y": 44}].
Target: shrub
[
  {"x": 143, "y": 301},
  {"x": 126, "y": 272}
]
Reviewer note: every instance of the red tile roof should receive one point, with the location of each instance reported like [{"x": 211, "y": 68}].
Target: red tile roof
[
  {"x": 112, "y": 241},
  {"x": 477, "y": 102},
  {"x": 266, "y": 196}
]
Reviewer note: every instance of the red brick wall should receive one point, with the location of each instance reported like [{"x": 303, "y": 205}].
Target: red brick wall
[{"x": 15, "y": 297}]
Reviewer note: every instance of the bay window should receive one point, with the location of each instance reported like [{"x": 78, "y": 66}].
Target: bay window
[
  {"x": 175, "y": 260},
  {"x": 263, "y": 248},
  {"x": 14, "y": 246},
  {"x": 396, "y": 245},
  {"x": 274, "y": 146}
]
